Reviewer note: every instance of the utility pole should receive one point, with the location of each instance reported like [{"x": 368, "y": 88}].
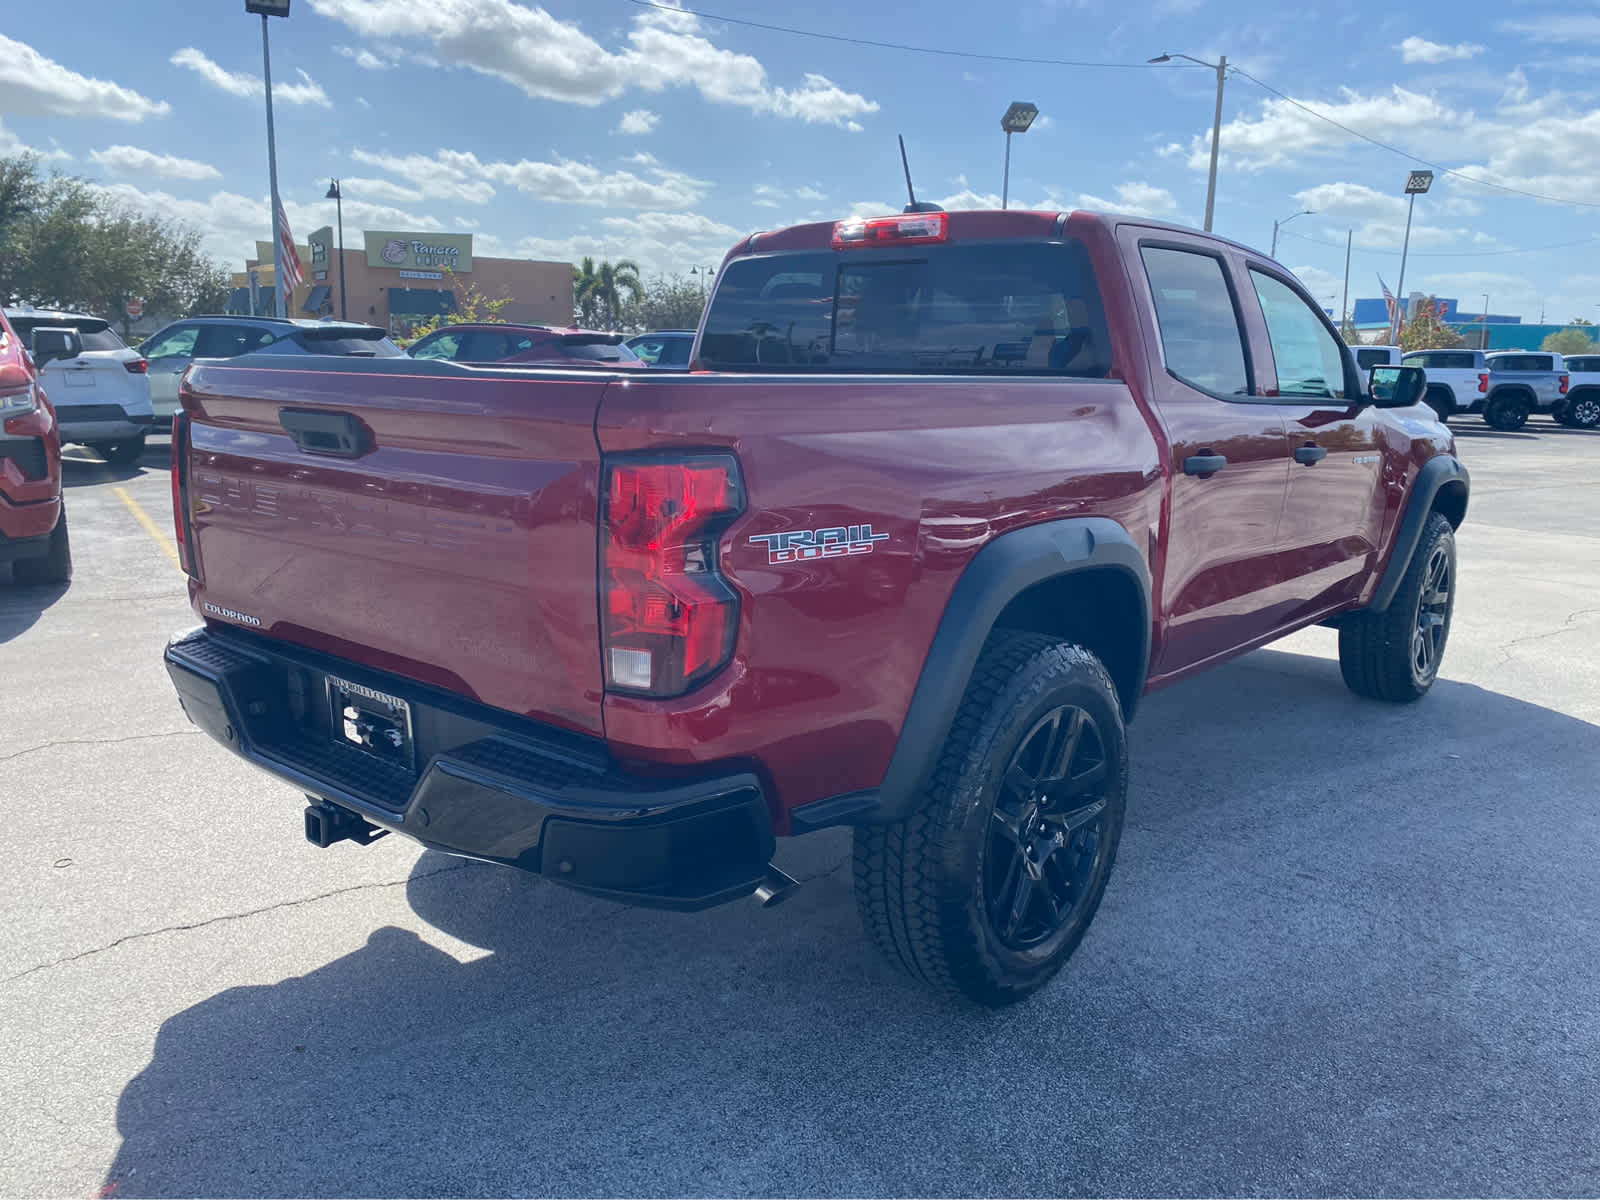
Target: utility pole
[
  {"x": 1221, "y": 68},
  {"x": 1344, "y": 302}
]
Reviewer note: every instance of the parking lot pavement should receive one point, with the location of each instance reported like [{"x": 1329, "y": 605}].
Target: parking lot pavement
[{"x": 1347, "y": 948}]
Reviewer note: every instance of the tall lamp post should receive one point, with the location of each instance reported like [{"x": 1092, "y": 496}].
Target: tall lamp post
[
  {"x": 1417, "y": 184},
  {"x": 337, "y": 197},
  {"x": 1277, "y": 225},
  {"x": 1017, "y": 118},
  {"x": 705, "y": 274},
  {"x": 1221, "y": 68},
  {"x": 272, "y": 8}
]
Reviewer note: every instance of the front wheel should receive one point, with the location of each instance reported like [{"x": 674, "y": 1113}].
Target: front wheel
[
  {"x": 988, "y": 887},
  {"x": 123, "y": 453},
  {"x": 1394, "y": 655},
  {"x": 1506, "y": 413},
  {"x": 55, "y": 566}
]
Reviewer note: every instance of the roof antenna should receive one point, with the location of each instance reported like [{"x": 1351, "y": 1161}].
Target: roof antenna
[{"x": 914, "y": 206}]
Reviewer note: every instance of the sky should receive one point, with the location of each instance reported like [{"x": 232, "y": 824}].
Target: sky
[{"x": 618, "y": 128}]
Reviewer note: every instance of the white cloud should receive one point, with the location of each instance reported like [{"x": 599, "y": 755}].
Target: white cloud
[
  {"x": 168, "y": 166},
  {"x": 1419, "y": 50},
  {"x": 364, "y": 58},
  {"x": 869, "y": 208},
  {"x": 809, "y": 193},
  {"x": 33, "y": 85},
  {"x": 643, "y": 159},
  {"x": 448, "y": 175},
  {"x": 556, "y": 60},
  {"x": 1280, "y": 134},
  {"x": 454, "y": 174},
  {"x": 1044, "y": 122},
  {"x": 364, "y": 102},
  {"x": 1575, "y": 27},
  {"x": 1135, "y": 200},
  {"x": 660, "y": 242},
  {"x": 967, "y": 198},
  {"x": 767, "y": 196},
  {"x": 1324, "y": 286},
  {"x": 242, "y": 83},
  {"x": 11, "y": 144},
  {"x": 677, "y": 225},
  {"x": 640, "y": 120}
]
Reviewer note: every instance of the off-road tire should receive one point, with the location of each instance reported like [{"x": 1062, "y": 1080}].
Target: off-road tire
[
  {"x": 1378, "y": 651},
  {"x": 122, "y": 454},
  {"x": 921, "y": 885},
  {"x": 1506, "y": 413},
  {"x": 55, "y": 566}
]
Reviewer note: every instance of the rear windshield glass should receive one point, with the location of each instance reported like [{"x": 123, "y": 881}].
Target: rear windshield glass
[
  {"x": 663, "y": 351},
  {"x": 357, "y": 343},
  {"x": 597, "y": 352},
  {"x": 1001, "y": 308},
  {"x": 96, "y": 334},
  {"x": 1371, "y": 358}
]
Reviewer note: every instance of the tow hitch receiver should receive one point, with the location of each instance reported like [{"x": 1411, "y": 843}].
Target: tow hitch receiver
[{"x": 328, "y": 823}]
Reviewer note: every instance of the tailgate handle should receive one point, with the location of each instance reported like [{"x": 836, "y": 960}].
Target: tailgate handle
[{"x": 337, "y": 434}]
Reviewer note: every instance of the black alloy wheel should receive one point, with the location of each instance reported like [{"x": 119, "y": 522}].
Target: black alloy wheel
[{"x": 1433, "y": 615}]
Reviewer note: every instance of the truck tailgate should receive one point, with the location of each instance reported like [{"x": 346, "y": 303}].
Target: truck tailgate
[{"x": 427, "y": 519}]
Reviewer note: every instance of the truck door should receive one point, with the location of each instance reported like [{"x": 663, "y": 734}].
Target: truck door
[
  {"x": 1230, "y": 458},
  {"x": 1333, "y": 513}
]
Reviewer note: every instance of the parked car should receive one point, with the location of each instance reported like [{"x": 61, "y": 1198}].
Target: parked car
[
  {"x": 1458, "y": 380},
  {"x": 1523, "y": 382},
  {"x": 664, "y": 348},
  {"x": 530, "y": 344},
  {"x": 171, "y": 349},
  {"x": 1582, "y": 409},
  {"x": 1368, "y": 357},
  {"x": 101, "y": 395},
  {"x": 898, "y": 564},
  {"x": 33, "y": 515}
]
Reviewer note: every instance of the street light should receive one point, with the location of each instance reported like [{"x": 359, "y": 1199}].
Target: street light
[
  {"x": 1017, "y": 118},
  {"x": 272, "y": 8},
  {"x": 1277, "y": 225},
  {"x": 1417, "y": 184},
  {"x": 705, "y": 274},
  {"x": 337, "y": 197},
  {"x": 1221, "y": 68}
]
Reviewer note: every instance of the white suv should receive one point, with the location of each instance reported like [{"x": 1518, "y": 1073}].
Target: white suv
[{"x": 102, "y": 397}]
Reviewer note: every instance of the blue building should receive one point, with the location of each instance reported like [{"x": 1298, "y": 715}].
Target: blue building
[{"x": 1374, "y": 313}]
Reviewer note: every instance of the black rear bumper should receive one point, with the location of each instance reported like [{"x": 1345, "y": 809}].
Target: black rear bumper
[{"x": 488, "y": 785}]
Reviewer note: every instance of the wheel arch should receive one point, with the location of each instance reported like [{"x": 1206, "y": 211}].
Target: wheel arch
[
  {"x": 1442, "y": 486},
  {"x": 1081, "y": 579}
]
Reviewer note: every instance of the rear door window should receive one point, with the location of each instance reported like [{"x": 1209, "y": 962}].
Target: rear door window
[
  {"x": 1200, "y": 335},
  {"x": 999, "y": 308},
  {"x": 177, "y": 342},
  {"x": 437, "y": 345}
]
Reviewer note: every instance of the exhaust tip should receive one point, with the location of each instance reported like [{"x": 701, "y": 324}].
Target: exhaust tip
[{"x": 775, "y": 888}]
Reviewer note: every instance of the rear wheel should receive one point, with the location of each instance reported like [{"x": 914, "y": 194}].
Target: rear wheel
[
  {"x": 55, "y": 566},
  {"x": 1506, "y": 413},
  {"x": 1582, "y": 412},
  {"x": 1442, "y": 400},
  {"x": 989, "y": 886},
  {"x": 123, "y": 453},
  {"x": 1394, "y": 655}
]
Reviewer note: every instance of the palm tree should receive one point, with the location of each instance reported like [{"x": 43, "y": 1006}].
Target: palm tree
[{"x": 599, "y": 291}]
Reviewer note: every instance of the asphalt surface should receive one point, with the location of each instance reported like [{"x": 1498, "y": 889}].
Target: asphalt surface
[{"x": 1347, "y": 948}]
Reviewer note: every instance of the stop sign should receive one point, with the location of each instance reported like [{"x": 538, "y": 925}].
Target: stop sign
[{"x": 135, "y": 309}]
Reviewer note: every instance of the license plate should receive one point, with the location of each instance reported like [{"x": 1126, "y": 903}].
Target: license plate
[
  {"x": 79, "y": 378},
  {"x": 371, "y": 721}
]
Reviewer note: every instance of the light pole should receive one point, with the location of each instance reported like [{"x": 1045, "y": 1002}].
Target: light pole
[
  {"x": 1344, "y": 303},
  {"x": 337, "y": 197},
  {"x": 1221, "y": 68},
  {"x": 1017, "y": 118},
  {"x": 705, "y": 274},
  {"x": 1277, "y": 225},
  {"x": 272, "y": 8},
  {"x": 1417, "y": 184},
  {"x": 1485, "y": 344}
]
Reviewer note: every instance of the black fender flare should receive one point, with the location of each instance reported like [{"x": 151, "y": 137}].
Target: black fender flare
[
  {"x": 1439, "y": 472},
  {"x": 999, "y": 573}
]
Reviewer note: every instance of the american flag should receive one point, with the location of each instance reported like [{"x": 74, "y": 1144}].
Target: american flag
[
  {"x": 1388, "y": 299},
  {"x": 293, "y": 273}
]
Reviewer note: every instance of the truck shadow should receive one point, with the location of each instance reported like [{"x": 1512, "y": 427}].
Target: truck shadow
[
  {"x": 1327, "y": 915},
  {"x": 21, "y": 607}
]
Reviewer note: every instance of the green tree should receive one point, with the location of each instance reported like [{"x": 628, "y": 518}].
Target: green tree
[
  {"x": 1569, "y": 341},
  {"x": 472, "y": 308},
  {"x": 601, "y": 294},
  {"x": 1425, "y": 331},
  {"x": 668, "y": 302}
]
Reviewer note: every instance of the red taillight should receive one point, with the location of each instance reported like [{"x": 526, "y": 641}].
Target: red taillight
[
  {"x": 670, "y": 617},
  {"x": 180, "y": 492},
  {"x": 1483, "y": 382},
  {"x": 1566, "y": 382},
  {"x": 137, "y": 366},
  {"x": 905, "y": 230}
]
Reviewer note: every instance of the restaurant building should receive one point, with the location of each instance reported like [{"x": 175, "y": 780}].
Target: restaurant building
[{"x": 397, "y": 279}]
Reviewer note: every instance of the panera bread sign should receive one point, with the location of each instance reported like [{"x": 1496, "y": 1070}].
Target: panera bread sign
[{"x": 419, "y": 251}]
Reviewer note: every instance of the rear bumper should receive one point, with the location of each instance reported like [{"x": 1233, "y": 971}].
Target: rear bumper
[
  {"x": 487, "y": 785},
  {"x": 25, "y": 529}
]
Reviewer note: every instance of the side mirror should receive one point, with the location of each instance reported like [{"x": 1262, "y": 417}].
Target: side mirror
[
  {"x": 1396, "y": 387},
  {"x": 52, "y": 341}
]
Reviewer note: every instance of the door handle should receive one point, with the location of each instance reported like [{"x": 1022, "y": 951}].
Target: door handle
[
  {"x": 338, "y": 434},
  {"x": 1309, "y": 454},
  {"x": 1204, "y": 465}
]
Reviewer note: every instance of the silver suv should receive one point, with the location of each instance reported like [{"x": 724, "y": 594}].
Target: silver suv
[{"x": 171, "y": 350}]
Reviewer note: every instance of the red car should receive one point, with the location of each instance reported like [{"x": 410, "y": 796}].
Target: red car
[
  {"x": 33, "y": 518},
  {"x": 945, "y": 496},
  {"x": 539, "y": 344}
]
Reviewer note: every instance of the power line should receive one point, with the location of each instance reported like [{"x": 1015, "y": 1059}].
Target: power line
[
  {"x": 1443, "y": 253},
  {"x": 1356, "y": 133},
  {"x": 856, "y": 41}
]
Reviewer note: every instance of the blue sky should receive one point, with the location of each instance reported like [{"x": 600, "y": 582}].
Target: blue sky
[{"x": 615, "y": 129}]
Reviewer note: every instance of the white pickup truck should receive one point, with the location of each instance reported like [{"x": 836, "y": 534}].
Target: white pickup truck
[
  {"x": 1506, "y": 386},
  {"x": 1368, "y": 357},
  {"x": 1582, "y": 410}
]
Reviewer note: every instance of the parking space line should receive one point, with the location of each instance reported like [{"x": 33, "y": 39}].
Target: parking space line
[{"x": 157, "y": 534}]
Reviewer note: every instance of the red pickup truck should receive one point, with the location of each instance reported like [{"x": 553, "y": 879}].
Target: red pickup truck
[
  {"x": 33, "y": 519},
  {"x": 942, "y": 497}
]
